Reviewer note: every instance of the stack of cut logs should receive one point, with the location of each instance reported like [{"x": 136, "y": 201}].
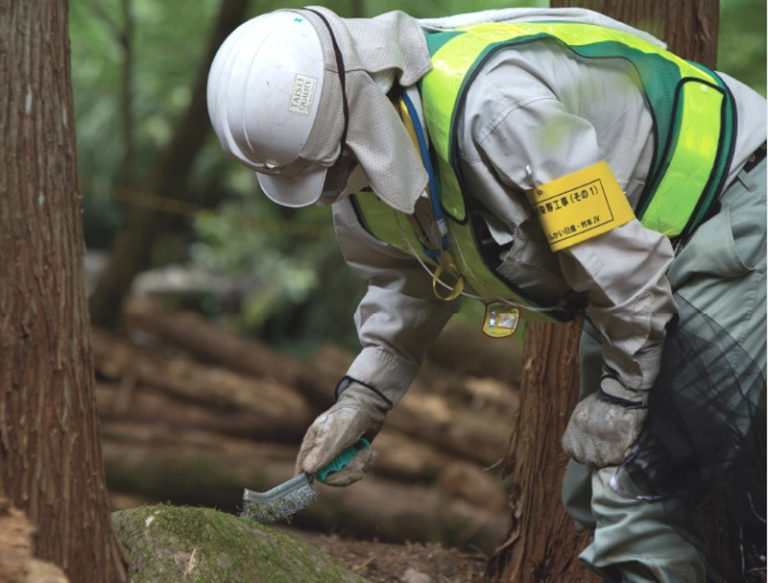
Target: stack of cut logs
[{"x": 192, "y": 414}]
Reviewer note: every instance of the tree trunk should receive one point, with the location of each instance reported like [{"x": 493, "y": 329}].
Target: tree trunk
[
  {"x": 50, "y": 455},
  {"x": 542, "y": 544},
  {"x": 133, "y": 245},
  {"x": 689, "y": 27},
  {"x": 127, "y": 175}
]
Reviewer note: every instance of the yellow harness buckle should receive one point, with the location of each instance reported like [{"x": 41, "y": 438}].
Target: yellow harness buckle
[
  {"x": 447, "y": 265},
  {"x": 580, "y": 206}
]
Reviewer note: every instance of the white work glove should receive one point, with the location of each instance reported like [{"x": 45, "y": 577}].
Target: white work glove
[
  {"x": 606, "y": 424},
  {"x": 359, "y": 411}
]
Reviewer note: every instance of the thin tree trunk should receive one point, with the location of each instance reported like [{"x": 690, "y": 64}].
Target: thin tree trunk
[
  {"x": 356, "y": 9},
  {"x": 542, "y": 544},
  {"x": 689, "y": 27},
  {"x": 127, "y": 174},
  {"x": 133, "y": 245},
  {"x": 50, "y": 454}
]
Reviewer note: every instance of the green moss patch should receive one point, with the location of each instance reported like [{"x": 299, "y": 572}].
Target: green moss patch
[{"x": 164, "y": 543}]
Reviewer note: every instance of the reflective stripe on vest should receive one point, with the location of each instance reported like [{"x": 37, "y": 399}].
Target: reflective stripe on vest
[{"x": 693, "y": 113}]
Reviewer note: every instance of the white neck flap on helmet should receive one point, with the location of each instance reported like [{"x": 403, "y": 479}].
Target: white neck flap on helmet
[{"x": 288, "y": 90}]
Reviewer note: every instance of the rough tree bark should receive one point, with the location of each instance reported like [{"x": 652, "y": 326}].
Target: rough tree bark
[
  {"x": 133, "y": 245},
  {"x": 542, "y": 544},
  {"x": 50, "y": 455},
  {"x": 689, "y": 27}
]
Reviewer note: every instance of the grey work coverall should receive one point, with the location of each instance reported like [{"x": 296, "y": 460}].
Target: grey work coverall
[{"x": 539, "y": 112}]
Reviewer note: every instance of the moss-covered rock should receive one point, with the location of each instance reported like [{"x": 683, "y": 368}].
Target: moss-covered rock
[{"x": 170, "y": 544}]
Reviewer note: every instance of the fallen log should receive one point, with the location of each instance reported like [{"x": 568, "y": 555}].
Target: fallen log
[
  {"x": 463, "y": 348},
  {"x": 143, "y": 404},
  {"x": 209, "y": 342},
  {"x": 321, "y": 373},
  {"x": 458, "y": 422},
  {"x": 136, "y": 441},
  {"x": 328, "y": 363},
  {"x": 407, "y": 459},
  {"x": 446, "y": 424},
  {"x": 466, "y": 481},
  {"x": 479, "y": 394},
  {"x": 186, "y": 466},
  {"x": 475, "y": 435},
  {"x": 400, "y": 457},
  {"x": 120, "y": 359},
  {"x": 460, "y": 350}
]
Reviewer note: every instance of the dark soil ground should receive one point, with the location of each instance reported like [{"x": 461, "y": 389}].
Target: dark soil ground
[{"x": 381, "y": 562}]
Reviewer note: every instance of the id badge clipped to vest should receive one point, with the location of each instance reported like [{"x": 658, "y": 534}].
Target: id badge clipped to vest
[{"x": 500, "y": 320}]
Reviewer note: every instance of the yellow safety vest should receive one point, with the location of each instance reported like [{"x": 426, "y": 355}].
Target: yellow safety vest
[{"x": 694, "y": 133}]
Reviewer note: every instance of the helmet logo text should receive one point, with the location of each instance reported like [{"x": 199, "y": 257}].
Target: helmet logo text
[{"x": 303, "y": 94}]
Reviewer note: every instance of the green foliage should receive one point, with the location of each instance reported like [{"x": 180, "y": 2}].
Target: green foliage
[
  {"x": 165, "y": 49},
  {"x": 167, "y": 46},
  {"x": 741, "y": 50},
  {"x": 293, "y": 283},
  {"x": 179, "y": 478},
  {"x": 248, "y": 239}
]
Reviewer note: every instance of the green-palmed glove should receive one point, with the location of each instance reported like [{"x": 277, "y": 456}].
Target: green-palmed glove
[
  {"x": 606, "y": 424},
  {"x": 359, "y": 411}
]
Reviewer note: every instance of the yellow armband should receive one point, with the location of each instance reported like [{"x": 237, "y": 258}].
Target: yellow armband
[{"x": 580, "y": 205}]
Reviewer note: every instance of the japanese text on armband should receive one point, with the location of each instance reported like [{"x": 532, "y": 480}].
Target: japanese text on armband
[{"x": 579, "y": 206}]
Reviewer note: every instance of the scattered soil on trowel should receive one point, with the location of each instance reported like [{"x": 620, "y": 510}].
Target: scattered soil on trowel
[{"x": 381, "y": 562}]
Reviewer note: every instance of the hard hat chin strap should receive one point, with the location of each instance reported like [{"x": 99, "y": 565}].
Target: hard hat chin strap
[
  {"x": 372, "y": 132},
  {"x": 342, "y": 76}
]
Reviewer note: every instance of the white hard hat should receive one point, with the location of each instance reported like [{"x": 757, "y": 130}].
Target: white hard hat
[{"x": 264, "y": 88}]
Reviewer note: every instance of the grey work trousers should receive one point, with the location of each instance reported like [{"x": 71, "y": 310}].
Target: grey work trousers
[{"x": 721, "y": 270}]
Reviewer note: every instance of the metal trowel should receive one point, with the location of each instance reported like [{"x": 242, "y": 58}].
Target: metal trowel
[{"x": 288, "y": 498}]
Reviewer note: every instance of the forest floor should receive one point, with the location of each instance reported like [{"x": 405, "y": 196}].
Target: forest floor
[{"x": 381, "y": 562}]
